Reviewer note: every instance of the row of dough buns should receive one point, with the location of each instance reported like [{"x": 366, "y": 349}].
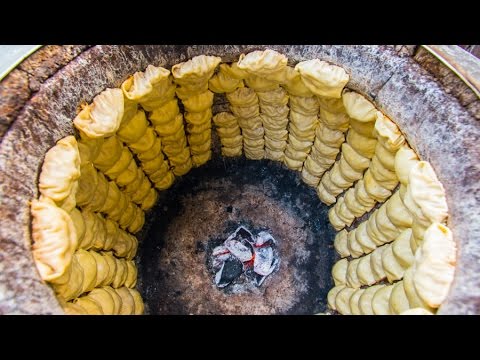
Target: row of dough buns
[
  {"x": 356, "y": 151},
  {"x": 378, "y": 181},
  {"x": 425, "y": 283},
  {"x": 193, "y": 78}
]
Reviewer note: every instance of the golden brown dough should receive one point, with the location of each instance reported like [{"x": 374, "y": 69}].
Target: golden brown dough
[
  {"x": 103, "y": 268},
  {"x": 103, "y": 117},
  {"x": 131, "y": 279},
  {"x": 54, "y": 239},
  {"x": 128, "y": 302},
  {"x": 103, "y": 298},
  {"x": 79, "y": 224},
  {"x": 138, "y": 301},
  {"x": 267, "y": 64},
  {"x": 91, "y": 306},
  {"x": 112, "y": 266},
  {"x": 72, "y": 285},
  {"x": 73, "y": 309},
  {"x": 89, "y": 266},
  {"x": 151, "y": 88},
  {"x": 117, "y": 300},
  {"x": 322, "y": 78},
  {"x": 60, "y": 170}
]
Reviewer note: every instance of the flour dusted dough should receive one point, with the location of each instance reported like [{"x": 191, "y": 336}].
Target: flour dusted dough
[
  {"x": 322, "y": 78},
  {"x": 354, "y": 247},
  {"x": 416, "y": 311},
  {"x": 435, "y": 265},
  {"x": 342, "y": 300},
  {"x": 103, "y": 117},
  {"x": 405, "y": 159},
  {"x": 54, "y": 239},
  {"x": 398, "y": 299},
  {"x": 392, "y": 267},
  {"x": 401, "y": 249},
  {"x": 366, "y": 298},
  {"x": 339, "y": 272},
  {"x": 397, "y": 213},
  {"x": 410, "y": 291},
  {"x": 332, "y": 294},
  {"x": 381, "y": 299},
  {"x": 60, "y": 170},
  {"x": 358, "y": 107},
  {"x": 340, "y": 243},
  {"x": 427, "y": 192},
  {"x": 367, "y": 244},
  {"x": 352, "y": 278},
  {"x": 374, "y": 189},
  {"x": 364, "y": 271},
  {"x": 354, "y": 302},
  {"x": 376, "y": 263}
]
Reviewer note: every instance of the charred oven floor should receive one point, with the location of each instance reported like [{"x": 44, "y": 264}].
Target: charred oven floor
[{"x": 203, "y": 208}]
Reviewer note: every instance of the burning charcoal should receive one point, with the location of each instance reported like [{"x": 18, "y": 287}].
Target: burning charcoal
[
  {"x": 231, "y": 269},
  {"x": 220, "y": 250},
  {"x": 242, "y": 234},
  {"x": 263, "y": 260},
  {"x": 220, "y": 259},
  {"x": 264, "y": 238},
  {"x": 242, "y": 252}
]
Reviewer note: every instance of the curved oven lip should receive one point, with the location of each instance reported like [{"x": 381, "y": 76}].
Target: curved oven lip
[
  {"x": 463, "y": 64},
  {"x": 12, "y": 55}
]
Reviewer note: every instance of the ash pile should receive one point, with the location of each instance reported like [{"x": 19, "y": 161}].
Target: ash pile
[{"x": 245, "y": 258}]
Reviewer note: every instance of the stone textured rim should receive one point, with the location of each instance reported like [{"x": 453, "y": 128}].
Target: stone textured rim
[{"x": 434, "y": 123}]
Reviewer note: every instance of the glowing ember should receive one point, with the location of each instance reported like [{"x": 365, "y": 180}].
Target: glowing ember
[{"x": 243, "y": 253}]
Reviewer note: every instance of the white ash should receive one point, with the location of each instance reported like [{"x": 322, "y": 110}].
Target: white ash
[{"x": 244, "y": 255}]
